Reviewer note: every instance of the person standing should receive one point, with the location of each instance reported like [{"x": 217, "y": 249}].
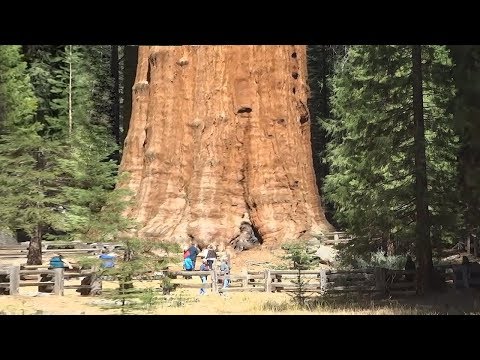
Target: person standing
[
  {"x": 194, "y": 251},
  {"x": 211, "y": 256},
  {"x": 225, "y": 271},
  {"x": 204, "y": 267}
]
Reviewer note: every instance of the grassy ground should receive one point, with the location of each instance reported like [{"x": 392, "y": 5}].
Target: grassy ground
[{"x": 188, "y": 302}]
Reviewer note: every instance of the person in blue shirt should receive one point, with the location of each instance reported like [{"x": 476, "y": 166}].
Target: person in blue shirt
[
  {"x": 57, "y": 262},
  {"x": 108, "y": 259},
  {"x": 188, "y": 264}
]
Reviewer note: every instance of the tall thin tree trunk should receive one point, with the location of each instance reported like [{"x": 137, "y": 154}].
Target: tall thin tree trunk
[
  {"x": 70, "y": 117},
  {"x": 220, "y": 135},
  {"x": 115, "y": 93},
  {"x": 325, "y": 94},
  {"x": 422, "y": 227},
  {"x": 316, "y": 68},
  {"x": 130, "y": 56}
]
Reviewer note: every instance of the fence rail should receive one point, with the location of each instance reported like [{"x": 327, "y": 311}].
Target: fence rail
[
  {"x": 47, "y": 280},
  {"x": 336, "y": 237},
  {"x": 375, "y": 280},
  {"x": 64, "y": 248}
]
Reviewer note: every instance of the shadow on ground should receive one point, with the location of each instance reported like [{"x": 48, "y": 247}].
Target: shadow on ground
[{"x": 448, "y": 302}]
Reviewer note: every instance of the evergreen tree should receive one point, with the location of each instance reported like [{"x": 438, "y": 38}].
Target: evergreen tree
[
  {"x": 321, "y": 65},
  {"x": 467, "y": 125},
  {"x": 89, "y": 175},
  {"x": 141, "y": 261},
  {"x": 371, "y": 152},
  {"x": 73, "y": 85},
  {"x": 28, "y": 155}
]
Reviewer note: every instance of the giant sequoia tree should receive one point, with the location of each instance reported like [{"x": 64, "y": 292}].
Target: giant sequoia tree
[{"x": 220, "y": 135}]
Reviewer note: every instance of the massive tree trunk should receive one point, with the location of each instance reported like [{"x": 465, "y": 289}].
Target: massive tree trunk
[{"x": 220, "y": 135}]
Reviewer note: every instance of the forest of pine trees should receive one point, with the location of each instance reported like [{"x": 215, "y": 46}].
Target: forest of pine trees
[{"x": 395, "y": 135}]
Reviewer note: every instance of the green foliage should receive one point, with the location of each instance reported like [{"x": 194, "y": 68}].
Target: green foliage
[
  {"x": 467, "y": 110},
  {"x": 141, "y": 260},
  {"x": 371, "y": 152},
  {"x": 56, "y": 146},
  {"x": 321, "y": 64},
  {"x": 299, "y": 256},
  {"x": 302, "y": 260},
  {"x": 28, "y": 180},
  {"x": 90, "y": 175},
  {"x": 373, "y": 260}
]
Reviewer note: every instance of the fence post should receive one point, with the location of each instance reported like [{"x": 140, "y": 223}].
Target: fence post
[
  {"x": 244, "y": 277},
  {"x": 14, "y": 279},
  {"x": 268, "y": 281},
  {"x": 58, "y": 281},
  {"x": 380, "y": 281},
  {"x": 323, "y": 281},
  {"x": 214, "y": 281}
]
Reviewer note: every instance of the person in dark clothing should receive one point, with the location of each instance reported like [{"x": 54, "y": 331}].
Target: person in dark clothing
[
  {"x": 194, "y": 251},
  {"x": 409, "y": 265},
  {"x": 204, "y": 267},
  {"x": 211, "y": 256}
]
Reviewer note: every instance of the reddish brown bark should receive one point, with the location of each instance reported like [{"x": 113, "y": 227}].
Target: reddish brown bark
[{"x": 220, "y": 135}]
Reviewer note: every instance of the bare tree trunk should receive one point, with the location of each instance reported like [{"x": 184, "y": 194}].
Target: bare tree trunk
[
  {"x": 129, "y": 68},
  {"x": 422, "y": 228},
  {"x": 70, "y": 116},
  {"x": 115, "y": 92},
  {"x": 34, "y": 256},
  {"x": 220, "y": 135}
]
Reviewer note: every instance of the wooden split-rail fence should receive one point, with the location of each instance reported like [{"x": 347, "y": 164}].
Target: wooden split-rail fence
[
  {"x": 376, "y": 280},
  {"x": 49, "y": 248},
  {"x": 379, "y": 281},
  {"x": 336, "y": 237},
  {"x": 14, "y": 277}
]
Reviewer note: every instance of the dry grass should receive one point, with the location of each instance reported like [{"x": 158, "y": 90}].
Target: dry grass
[{"x": 188, "y": 302}]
